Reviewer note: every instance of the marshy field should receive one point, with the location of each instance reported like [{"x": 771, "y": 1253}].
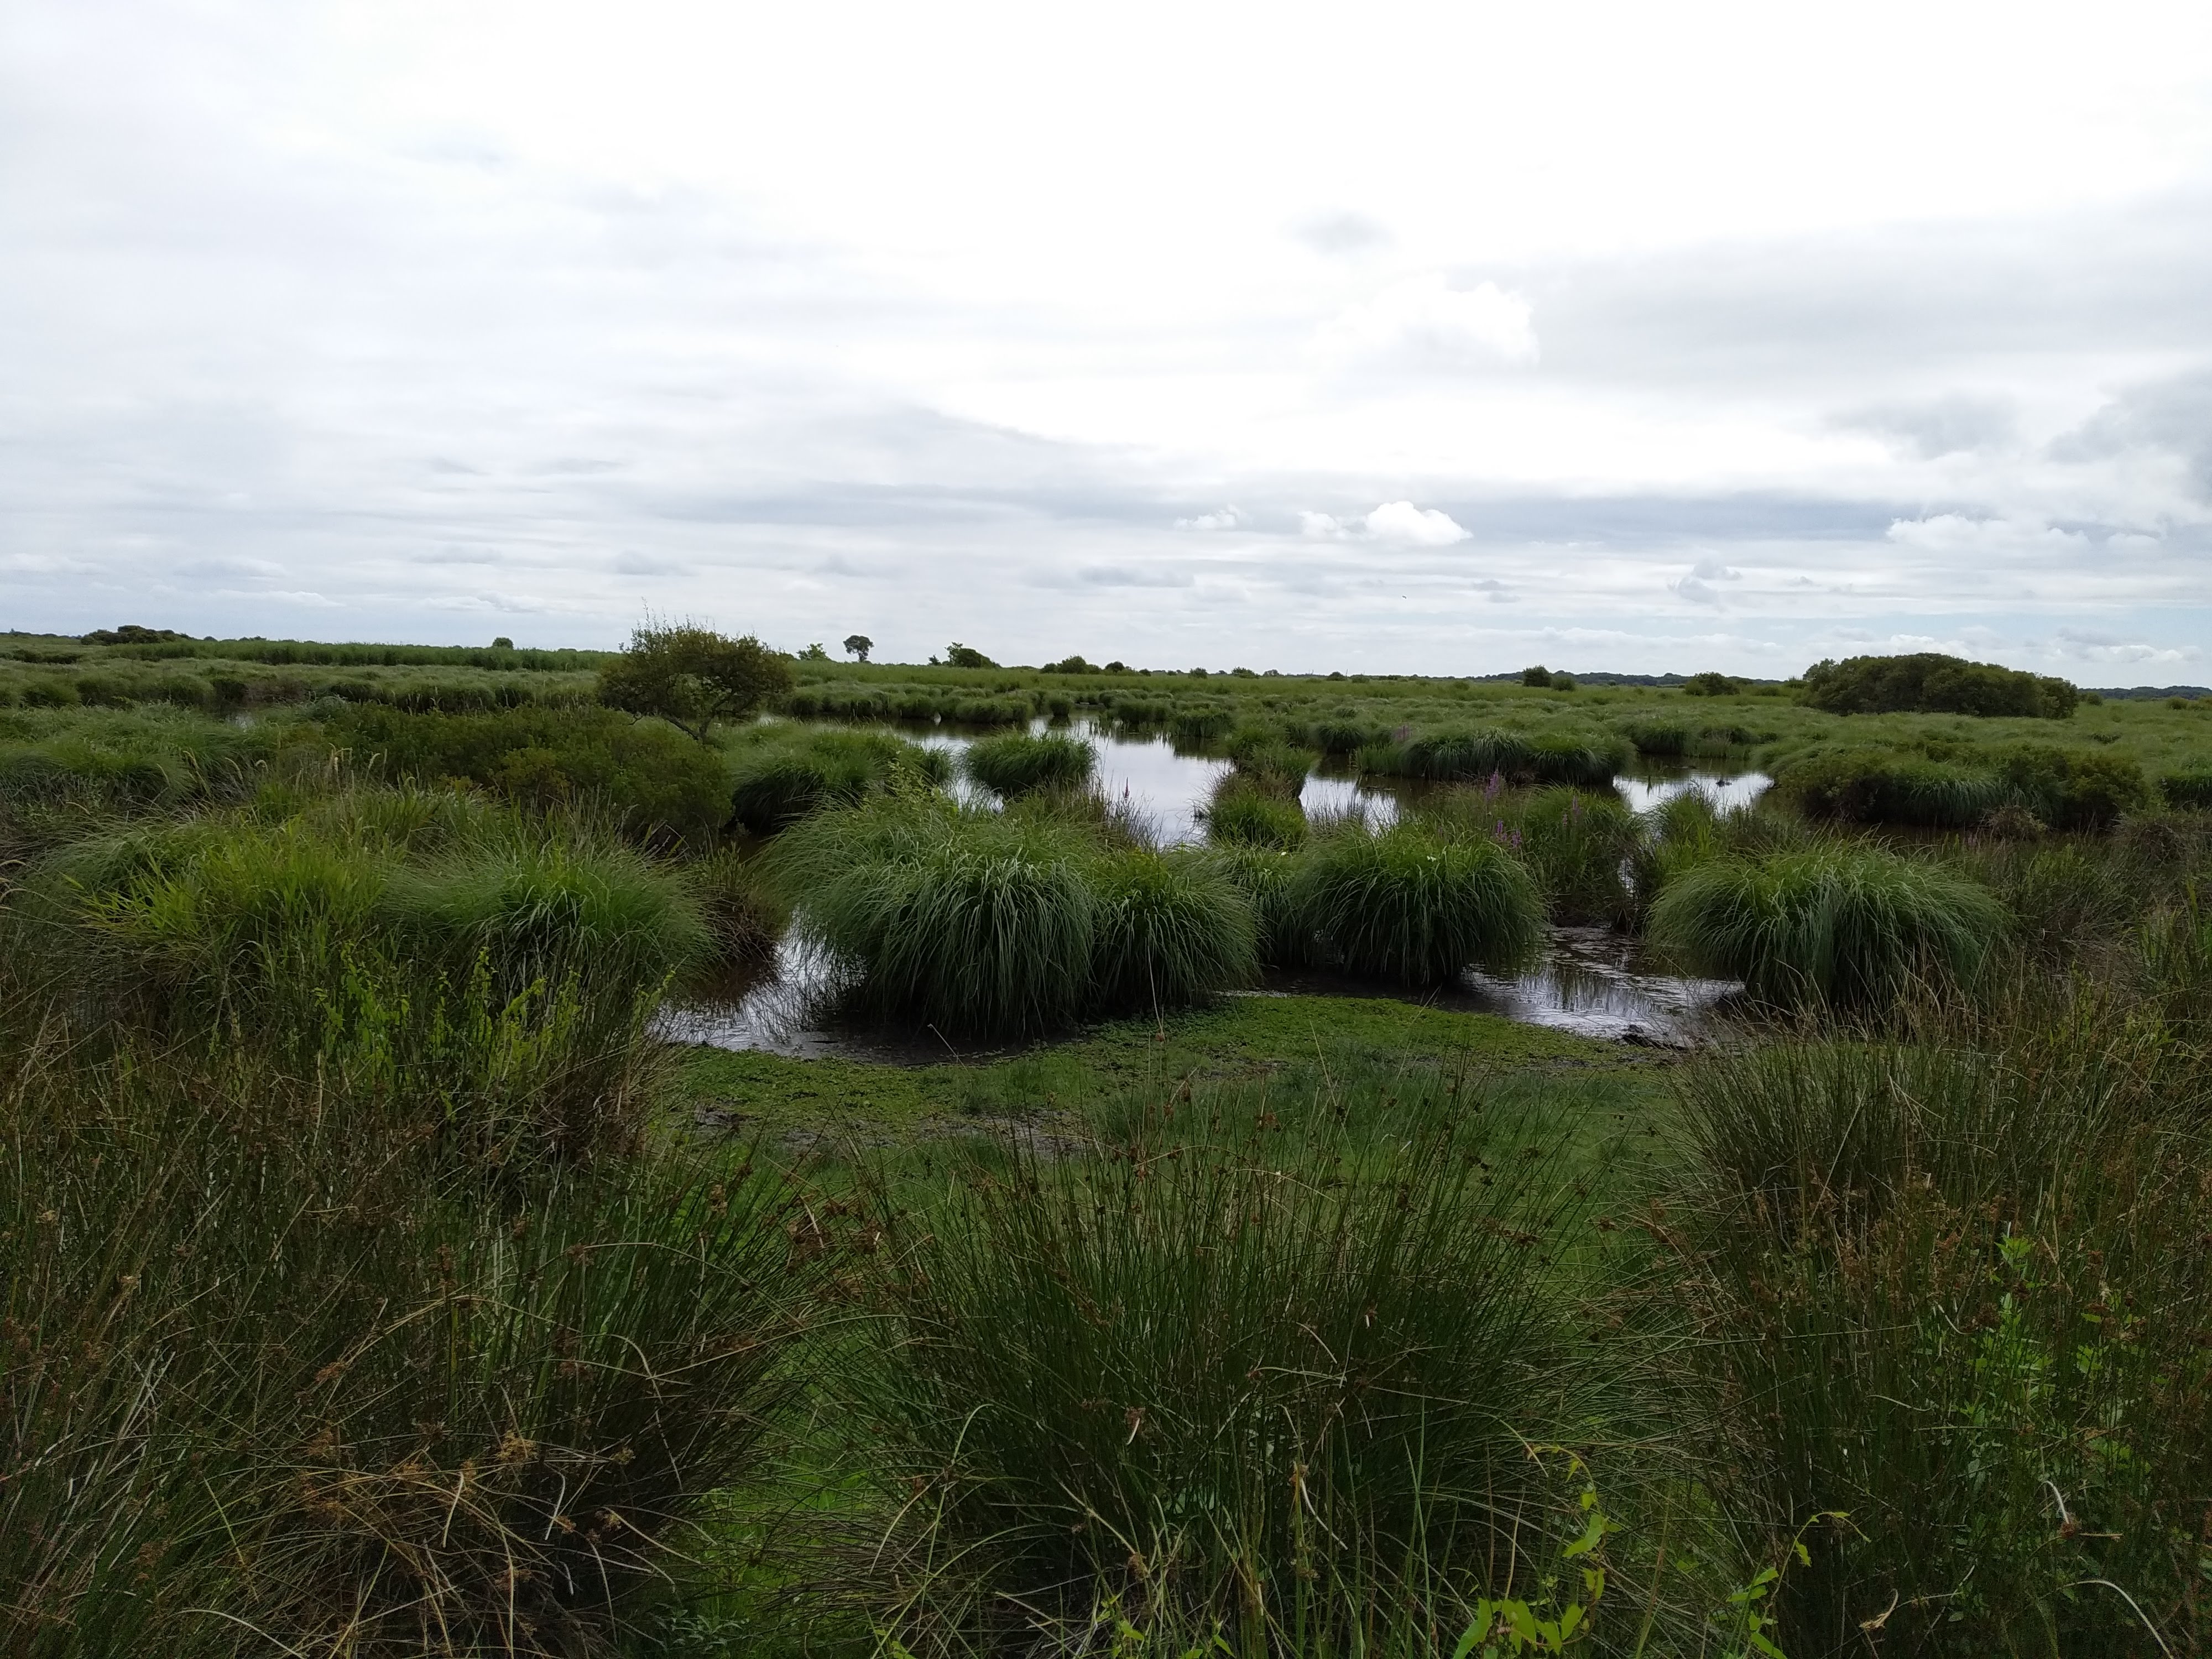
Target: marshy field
[{"x": 691, "y": 1151}]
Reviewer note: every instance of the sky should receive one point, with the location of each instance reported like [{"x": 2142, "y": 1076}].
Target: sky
[{"x": 1383, "y": 337}]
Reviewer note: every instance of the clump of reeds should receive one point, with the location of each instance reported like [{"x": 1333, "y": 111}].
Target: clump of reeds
[
  {"x": 1245, "y": 1377},
  {"x": 1939, "y": 1296},
  {"x": 1241, "y": 813},
  {"x": 1843, "y": 925},
  {"x": 1581, "y": 847},
  {"x": 279, "y": 1374},
  {"x": 1009, "y": 924},
  {"x": 796, "y": 770},
  {"x": 1406, "y": 904},
  {"x": 1020, "y": 764}
]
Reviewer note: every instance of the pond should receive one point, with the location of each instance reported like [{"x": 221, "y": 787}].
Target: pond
[
  {"x": 1590, "y": 981},
  {"x": 1168, "y": 788}
]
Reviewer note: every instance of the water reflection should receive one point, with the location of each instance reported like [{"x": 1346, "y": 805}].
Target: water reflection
[
  {"x": 1591, "y": 981},
  {"x": 1727, "y": 791}
]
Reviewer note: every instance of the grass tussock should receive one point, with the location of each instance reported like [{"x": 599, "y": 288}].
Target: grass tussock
[
  {"x": 1840, "y": 926},
  {"x": 1241, "y": 813},
  {"x": 782, "y": 772},
  {"x": 1020, "y": 764},
  {"x": 1232, "y": 1379},
  {"x": 1406, "y": 904}
]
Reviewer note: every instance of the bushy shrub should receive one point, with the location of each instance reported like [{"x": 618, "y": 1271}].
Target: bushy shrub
[
  {"x": 1843, "y": 926},
  {"x": 1019, "y": 764},
  {"x": 1271, "y": 1382},
  {"x": 2073, "y": 788},
  {"x": 1885, "y": 786},
  {"x": 1929, "y": 682},
  {"x": 1409, "y": 905}
]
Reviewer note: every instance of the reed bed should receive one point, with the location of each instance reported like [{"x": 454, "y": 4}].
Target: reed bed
[{"x": 1020, "y": 764}]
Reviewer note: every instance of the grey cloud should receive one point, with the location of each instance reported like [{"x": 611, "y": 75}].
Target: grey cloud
[
  {"x": 2173, "y": 415},
  {"x": 1343, "y": 232},
  {"x": 1122, "y": 575},
  {"x": 1936, "y": 427}
]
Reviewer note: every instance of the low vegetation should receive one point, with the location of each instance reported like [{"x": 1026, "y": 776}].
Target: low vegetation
[{"x": 377, "y": 1277}]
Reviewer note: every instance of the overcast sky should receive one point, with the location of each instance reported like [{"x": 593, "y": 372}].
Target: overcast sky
[{"x": 1398, "y": 338}]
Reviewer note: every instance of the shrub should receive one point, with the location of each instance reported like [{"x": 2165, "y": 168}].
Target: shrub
[
  {"x": 1242, "y": 813},
  {"x": 1271, "y": 1382},
  {"x": 792, "y": 772},
  {"x": 1409, "y": 905},
  {"x": 1929, "y": 682},
  {"x": 1019, "y": 764},
  {"x": 2074, "y": 789},
  {"x": 1168, "y": 929},
  {"x": 1845, "y": 927},
  {"x": 1710, "y": 684},
  {"x": 1883, "y": 786},
  {"x": 692, "y": 676}
]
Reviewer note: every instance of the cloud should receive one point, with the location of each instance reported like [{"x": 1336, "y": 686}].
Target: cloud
[
  {"x": 1713, "y": 570},
  {"x": 1933, "y": 427},
  {"x": 1697, "y": 592},
  {"x": 2173, "y": 415},
  {"x": 1401, "y": 521},
  {"x": 1423, "y": 322},
  {"x": 1227, "y": 517},
  {"x": 2094, "y": 647},
  {"x": 644, "y": 564},
  {"x": 1952, "y": 534},
  {"x": 1342, "y": 233},
  {"x": 1393, "y": 521},
  {"x": 1122, "y": 575}
]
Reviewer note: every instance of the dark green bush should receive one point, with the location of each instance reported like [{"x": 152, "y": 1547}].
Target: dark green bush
[
  {"x": 1888, "y": 785},
  {"x": 2191, "y": 789},
  {"x": 1929, "y": 682}
]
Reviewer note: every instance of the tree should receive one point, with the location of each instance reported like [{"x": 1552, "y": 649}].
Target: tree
[
  {"x": 814, "y": 652},
  {"x": 692, "y": 676},
  {"x": 957, "y": 655},
  {"x": 859, "y": 645},
  {"x": 1538, "y": 676}
]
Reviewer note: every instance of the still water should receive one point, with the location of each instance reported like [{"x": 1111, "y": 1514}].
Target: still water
[{"x": 1590, "y": 981}]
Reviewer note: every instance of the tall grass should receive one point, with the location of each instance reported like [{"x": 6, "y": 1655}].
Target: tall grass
[
  {"x": 789, "y": 772},
  {"x": 1231, "y": 1378},
  {"x": 1009, "y": 924},
  {"x": 1240, "y": 813},
  {"x": 274, "y": 1381},
  {"x": 1019, "y": 764},
  {"x": 1407, "y": 905},
  {"x": 1933, "y": 1287},
  {"x": 1841, "y": 926}
]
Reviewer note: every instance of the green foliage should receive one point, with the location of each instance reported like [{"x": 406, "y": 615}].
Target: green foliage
[
  {"x": 1710, "y": 684},
  {"x": 1929, "y": 682},
  {"x": 545, "y": 758},
  {"x": 267, "y": 1356},
  {"x": 787, "y": 772},
  {"x": 857, "y": 645},
  {"x": 1458, "y": 758},
  {"x": 1168, "y": 930},
  {"x": 1242, "y": 813},
  {"x": 957, "y": 655},
  {"x": 1952, "y": 1307},
  {"x": 1019, "y": 764},
  {"x": 1407, "y": 905},
  {"x": 1265, "y": 761},
  {"x": 1258, "y": 1374},
  {"x": 1577, "y": 845},
  {"x": 1884, "y": 785},
  {"x": 2189, "y": 789},
  {"x": 692, "y": 676},
  {"x": 1841, "y": 925},
  {"x": 1012, "y": 923},
  {"x": 1538, "y": 677}
]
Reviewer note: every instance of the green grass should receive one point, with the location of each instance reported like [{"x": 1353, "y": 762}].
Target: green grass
[
  {"x": 1406, "y": 905},
  {"x": 1841, "y": 926},
  {"x": 781, "y": 773},
  {"x": 1019, "y": 764},
  {"x": 1241, "y": 813}
]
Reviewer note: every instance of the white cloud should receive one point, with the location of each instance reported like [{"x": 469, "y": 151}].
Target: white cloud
[
  {"x": 1226, "y": 518},
  {"x": 1401, "y": 521},
  {"x": 1714, "y": 570},
  {"x": 1955, "y": 533},
  {"x": 1422, "y": 321},
  {"x": 1320, "y": 526}
]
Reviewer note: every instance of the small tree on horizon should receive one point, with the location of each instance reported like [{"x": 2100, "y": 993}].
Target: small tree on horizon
[
  {"x": 692, "y": 676},
  {"x": 859, "y": 645}
]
